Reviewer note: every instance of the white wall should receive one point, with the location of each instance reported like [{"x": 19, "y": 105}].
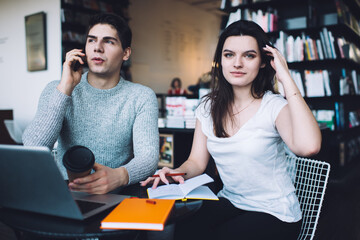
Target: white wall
[
  {"x": 20, "y": 89},
  {"x": 171, "y": 39}
]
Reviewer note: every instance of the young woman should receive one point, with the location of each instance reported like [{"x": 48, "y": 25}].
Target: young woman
[
  {"x": 176, "y": 88},
  {"x": 244, "y": 125}
]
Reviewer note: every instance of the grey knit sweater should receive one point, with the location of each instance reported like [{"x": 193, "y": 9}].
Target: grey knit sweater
[{"x": 119, "y": 125}]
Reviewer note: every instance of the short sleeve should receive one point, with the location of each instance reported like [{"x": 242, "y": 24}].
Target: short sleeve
[
  {"x": 275, "y": 103},
  {"x": 202, "y": 114}
]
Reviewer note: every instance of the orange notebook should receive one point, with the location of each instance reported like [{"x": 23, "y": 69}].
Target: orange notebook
[{"x": 139, "y": 213}]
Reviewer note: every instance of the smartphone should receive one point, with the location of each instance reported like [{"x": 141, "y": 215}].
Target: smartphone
[{"x": 77, "y": 65}]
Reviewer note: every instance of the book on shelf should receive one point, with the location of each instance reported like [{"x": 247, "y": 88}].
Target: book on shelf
[
  {"x": 326, "y": 79},
  {"x": 325, "y": 33},
  {"x": 324, "y": 46},
  {"x": 233, "y": 17},
  {"x": 326, "y": 117},
  {"x": 299, "y": 49},
  {"x": 223, "y": 4},
  {"x": 266, "y": 20},
  {"x": 348, "y": 84},
  {"x": 290, "y": 42},
  {"x": 192, "y": 188},
  {"x": 344, "y": 86},
  {"x": 298, "y": 81},
  {"x": 332, "y": 45},
  {"x": 139, "y": 213},
  {"x": 309, "y": 50},
  {"x": 356, "y": 81},
  {"x": 315, "y": 50},
  {"x": 280, "y": 43},
  {"x": 294, "y": 23},
  {"x": 339, "y": 115},
  {"x": 341, "y": 42},
  {"x": 354, "y": 53},
  {"x": 328, "y": 19},
  {"x": 320, "y": 49},
  {"x": 314, "y": 83},
  {"x": 354, "y": 118},
  {"x": 235, "y": 3},
  {"x": 175, "y": 122}
]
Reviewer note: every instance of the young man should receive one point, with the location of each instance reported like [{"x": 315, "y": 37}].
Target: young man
[{"x": 114, "y": 118}]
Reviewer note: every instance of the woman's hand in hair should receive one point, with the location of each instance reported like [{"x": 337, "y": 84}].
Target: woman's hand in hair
[{"x": 278, "y": 63}]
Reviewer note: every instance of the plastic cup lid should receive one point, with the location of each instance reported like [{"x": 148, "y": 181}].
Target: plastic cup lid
[{"x": 78, "y": 159}]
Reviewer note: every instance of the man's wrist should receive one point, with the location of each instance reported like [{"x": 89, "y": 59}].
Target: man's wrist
[
  {"x": 123, "y": 176},
  {"x": 64, "y": 89}
]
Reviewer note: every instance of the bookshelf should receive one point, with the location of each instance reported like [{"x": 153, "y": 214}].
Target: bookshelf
[
  {"x": 177, "y": 118},
  {"x": 328, "y": 36},
  {"x": 75, "y": 15}
]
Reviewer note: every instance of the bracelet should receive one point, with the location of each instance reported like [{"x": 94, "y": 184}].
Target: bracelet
[{"x": 296, "y": 93}]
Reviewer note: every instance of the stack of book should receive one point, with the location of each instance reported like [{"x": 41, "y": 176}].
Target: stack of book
[
  {"x": 189, "y": 115},
  {"x": 180, "y": 112},
  {"x": 175, "y": 109}
]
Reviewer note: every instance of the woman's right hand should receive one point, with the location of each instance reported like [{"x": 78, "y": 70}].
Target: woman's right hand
[
  {"x": 162, "y": 177},
  {"x": 71, "y": 78}
]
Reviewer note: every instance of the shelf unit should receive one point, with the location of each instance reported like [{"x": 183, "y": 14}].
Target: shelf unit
[{"x": 340, "y": 147}]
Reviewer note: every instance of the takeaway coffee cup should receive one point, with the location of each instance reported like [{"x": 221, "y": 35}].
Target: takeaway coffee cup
[{"x": 78, "y": 161}]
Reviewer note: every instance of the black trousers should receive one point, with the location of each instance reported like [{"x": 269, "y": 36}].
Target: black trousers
[{"x": 221, "y": 220}]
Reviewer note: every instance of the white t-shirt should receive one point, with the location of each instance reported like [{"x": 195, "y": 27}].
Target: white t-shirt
[{"x": 252, "y": 164}]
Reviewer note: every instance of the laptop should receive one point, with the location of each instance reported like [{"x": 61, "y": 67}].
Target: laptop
[{"x": 31, "y": 181}]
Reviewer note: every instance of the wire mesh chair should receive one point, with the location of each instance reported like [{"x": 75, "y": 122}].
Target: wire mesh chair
[{"x": 310, "y": 178}]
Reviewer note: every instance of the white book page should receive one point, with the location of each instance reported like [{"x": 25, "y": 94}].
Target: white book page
[
  {"x": 171, "y": 191},
  {"x": 194, "y": 182},
  {"x": 202, "y": 192},
  {"x": 178, "y": 191}
]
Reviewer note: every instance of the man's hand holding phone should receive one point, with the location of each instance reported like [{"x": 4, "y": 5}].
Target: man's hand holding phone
[{"x": 72, "y": 71}]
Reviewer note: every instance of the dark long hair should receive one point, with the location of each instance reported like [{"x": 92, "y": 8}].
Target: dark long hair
[{"x": 222, "y": 96}]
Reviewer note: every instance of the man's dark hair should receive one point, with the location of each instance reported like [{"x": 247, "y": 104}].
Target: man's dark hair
[{"x": 121, "y": 26}]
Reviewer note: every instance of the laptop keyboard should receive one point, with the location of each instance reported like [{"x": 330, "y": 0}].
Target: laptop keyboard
[{"x": 86, "y": 206}]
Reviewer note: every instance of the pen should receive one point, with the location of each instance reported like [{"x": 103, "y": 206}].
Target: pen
[
  {"x": 151, "y": 201},
  {"x": 170, "y": 174}
]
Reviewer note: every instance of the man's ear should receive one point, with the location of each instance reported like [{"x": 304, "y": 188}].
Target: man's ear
[{"x": 127, "y": 53}]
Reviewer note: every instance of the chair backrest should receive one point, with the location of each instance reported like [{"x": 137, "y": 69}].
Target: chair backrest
[{"x": 310, "y": 178}]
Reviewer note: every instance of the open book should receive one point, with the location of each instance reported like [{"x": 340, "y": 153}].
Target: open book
[{"x": 190, "y": 189}]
